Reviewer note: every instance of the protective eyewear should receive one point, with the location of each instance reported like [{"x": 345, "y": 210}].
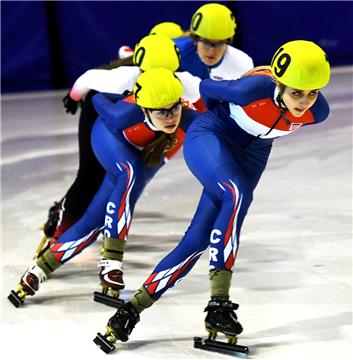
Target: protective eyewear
[
  {"x": 210, "y": 44},
  {"x": 164, "y": 113}
]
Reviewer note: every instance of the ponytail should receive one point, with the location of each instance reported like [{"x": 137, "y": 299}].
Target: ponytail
[
  {"x": 118, "y": 62},
  {"x": 153, "y": 152}
]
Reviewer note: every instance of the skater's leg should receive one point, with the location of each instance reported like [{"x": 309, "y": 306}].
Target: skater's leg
[
  {"x": 172, "y": 268},
  {"x": 90, "y": 173},
  {"x": 128, "y": 184},
  {"x": 223, "y": 176},
  {"x": 176, "y": 265},
  {"x": 73, "y": 241},
  {"x": 85, "y": 231},
  {"x": 125, "y": 165}
]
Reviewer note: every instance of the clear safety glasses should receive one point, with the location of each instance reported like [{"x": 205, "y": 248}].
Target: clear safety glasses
[
  {"x": 161, "y": 114},
  {"x": 210, "y": 44}
]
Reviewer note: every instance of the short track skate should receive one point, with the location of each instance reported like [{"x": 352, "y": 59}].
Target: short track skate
[
  {"x": 106, "y": 299},
  {"x": 28, "y": 285},
  {"x": 119, "y": 327},
  {"x": 230, "y": 348},
  {"x": 106, "y": 342},
  {"x": 111, "y": 276},
  {"x": 17, "y": 297},
  {"x": 221, "y": 318}
]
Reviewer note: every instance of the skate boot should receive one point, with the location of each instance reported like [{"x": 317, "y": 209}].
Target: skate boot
[
  {"x": 28, "y": 285},
  {"x": 53, "y": 219},
  {"x": 111, "y": 277},
  {"x": 49, "y": 229},
  {"x": 119, "y": 327},
  {"x": 221, "y": 318}
]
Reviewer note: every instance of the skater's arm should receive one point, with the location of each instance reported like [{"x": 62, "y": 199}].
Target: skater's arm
[
  {"x": 191, "y": 86},
  {"x": 213, "y": 92},
  {"x": 116, "y": 114},
  {"x": 240, "y": 92},
  {"x": 114, "y": 81}
]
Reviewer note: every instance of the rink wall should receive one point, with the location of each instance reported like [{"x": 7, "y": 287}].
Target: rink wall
[{"x": 48, "y": 44}]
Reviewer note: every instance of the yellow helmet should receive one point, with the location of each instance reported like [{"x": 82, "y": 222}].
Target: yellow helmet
[
  {"x": 156, "y": 51},
  {"x": 302, "y": 65},
  {"x": 213, "y": 21},
  {"x": 169, "y": 29},
  {"x": 157, "y": 88}
]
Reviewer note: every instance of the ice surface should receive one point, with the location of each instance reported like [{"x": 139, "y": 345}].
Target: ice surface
[{"x": 293, "y": 276}]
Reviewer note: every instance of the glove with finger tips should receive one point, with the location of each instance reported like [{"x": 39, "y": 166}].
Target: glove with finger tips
[{"x": 70, "y": 104}]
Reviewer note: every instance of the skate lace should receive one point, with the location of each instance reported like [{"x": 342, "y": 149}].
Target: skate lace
[
  {"x": 220, "y": 305},
  {"x": 129, "y": 317},
  {"x": 108, "y": 265},
  {"x": 132, "y": 311}
]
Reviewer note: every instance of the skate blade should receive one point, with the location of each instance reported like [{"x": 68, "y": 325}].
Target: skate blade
[
  {"x": 218, "y": 346},
  {"x": 232, "y": 339},
  {"x": 104, "y": 344},
  {"x": 106, "y": 289},
  {"x": 15, "y": 299},
  {"x": 108, "y": 300},
  {"x": 212, "y": 334}
]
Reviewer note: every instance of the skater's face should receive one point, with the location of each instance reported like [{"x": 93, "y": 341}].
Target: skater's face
[
  {"x": 299, "y": 101},
  {"x": 166, "y": 119},
  {"x": 210, "y": 51}
]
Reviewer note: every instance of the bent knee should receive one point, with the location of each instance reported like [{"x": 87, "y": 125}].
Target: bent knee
[{"x": 234, "y": 190}]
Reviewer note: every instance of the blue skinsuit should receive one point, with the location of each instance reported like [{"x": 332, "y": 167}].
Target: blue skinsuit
[
  {"x": 119, "y": 134},
  {"x": 227, "y": 149},
  {"x": 189, "y": 60},
  {"x": 231, "y": 65}
]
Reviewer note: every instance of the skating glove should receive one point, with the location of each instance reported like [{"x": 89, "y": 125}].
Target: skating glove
[{"x": 70, "y": 104}]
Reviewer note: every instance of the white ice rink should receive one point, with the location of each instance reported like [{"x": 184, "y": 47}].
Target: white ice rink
[{"x": 293, "y": 277}]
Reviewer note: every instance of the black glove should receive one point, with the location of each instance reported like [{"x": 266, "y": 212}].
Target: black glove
[{"x": 70, "y": 104}]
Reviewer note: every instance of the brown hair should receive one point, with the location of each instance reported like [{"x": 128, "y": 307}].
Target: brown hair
[
  {"x": 257, "y": 68},
  {"x": 118, "y": 62},
  {"x": 153, "y": 152},
  {"x": 195, "y": 37}
]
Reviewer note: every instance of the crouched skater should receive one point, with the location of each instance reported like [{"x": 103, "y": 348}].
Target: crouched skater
[{"x": 227, "y": 149}]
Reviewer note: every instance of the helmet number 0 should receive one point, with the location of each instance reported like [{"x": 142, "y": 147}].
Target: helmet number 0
[
  {"x": 282, "y": 62},
  {"x": 195, "y": 21},
  {"x": 139, "y": 55}
]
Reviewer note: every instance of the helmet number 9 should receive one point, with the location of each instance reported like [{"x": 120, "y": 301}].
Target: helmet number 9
[{"x": 282, "y": 62}]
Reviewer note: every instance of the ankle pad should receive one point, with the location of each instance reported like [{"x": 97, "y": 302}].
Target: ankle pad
[
  {"x": 221, "y": 305},
  {"x": 114, "y": 249},
  {"x": 47, "y": 262},
  {"x": 110, "y": 265},
  {"x": 141, "y": 299},
  {"x": 220, "y": 281}
]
